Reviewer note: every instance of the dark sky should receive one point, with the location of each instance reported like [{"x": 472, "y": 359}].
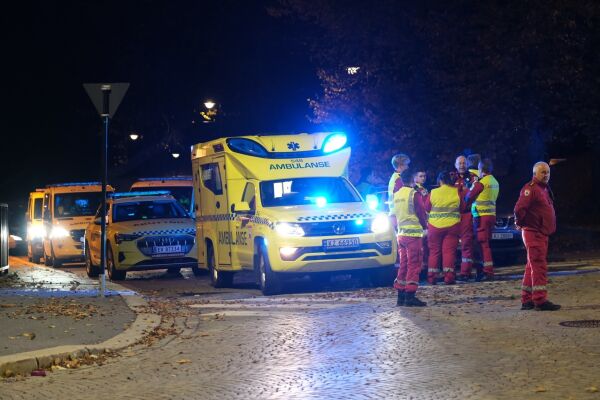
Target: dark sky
[{"x": 174, "y": 55}]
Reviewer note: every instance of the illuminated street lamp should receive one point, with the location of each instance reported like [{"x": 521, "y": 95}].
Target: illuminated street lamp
[
  {"x": 133, "y": 136},
  {"x": 209, "y": 104},
  {"x": 175, "y": 155}
]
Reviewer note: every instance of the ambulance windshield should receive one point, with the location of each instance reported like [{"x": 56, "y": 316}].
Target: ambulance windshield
[
  {"x": 69, "y": 205},
  {"x": 306, "y": 191}
]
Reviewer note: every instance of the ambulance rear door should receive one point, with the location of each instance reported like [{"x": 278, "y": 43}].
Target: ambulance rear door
[{"x": 216, "y": 205}]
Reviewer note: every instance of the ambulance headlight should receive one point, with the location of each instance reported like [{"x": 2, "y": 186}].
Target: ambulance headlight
[
  {"x": 16, "y": 238},
  {"x": 334, "y": 142},
  {"x": 285, "y": 229},
  {"x": 372, "y": 201},
  {"x": 36, "y": 232},
  {"x": 58, "y": 232},
  {"x": 380, "y": 224}
]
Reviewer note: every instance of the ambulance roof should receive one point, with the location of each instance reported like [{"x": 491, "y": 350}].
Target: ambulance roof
[
  {"x": 74, "y": 187},
  {"x": 127, "y": 197},
  {"x": 274, "y": 146}
]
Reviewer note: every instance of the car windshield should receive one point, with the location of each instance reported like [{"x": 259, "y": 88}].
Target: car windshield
[
  {"x": 140, "y": 210},
  {"x": 305, "y": 191},
  {"x": 83, "y": 204},
  {"x": 183, "y": 194}
]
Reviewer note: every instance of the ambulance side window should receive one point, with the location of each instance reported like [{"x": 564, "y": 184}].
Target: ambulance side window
[
  {"x": 249, "y": 196},
  {"x": 47, "y": 208},
  {"x": 211, "y": 178}
]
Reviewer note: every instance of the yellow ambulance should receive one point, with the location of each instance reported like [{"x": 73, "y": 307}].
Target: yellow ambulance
[
  {"x": 282, "y": 205},
  {"x": 35, "y": 226},
  {"x": 68, "y": 208}
]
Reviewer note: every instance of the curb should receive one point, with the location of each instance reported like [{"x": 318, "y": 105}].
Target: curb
[{"x": 25, "y": 363}]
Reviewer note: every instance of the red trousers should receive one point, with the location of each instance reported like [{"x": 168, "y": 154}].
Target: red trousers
[
  {"x": 466, "y": 243},
  {"x": 411, "y": 257},
  {"x": 442, "y": 243},
  {"x": 535, "y": 278},
  {"x": 483, "y": 227}
]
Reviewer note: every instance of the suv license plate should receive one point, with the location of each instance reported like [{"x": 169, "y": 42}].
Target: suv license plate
[
  {"x": 160, "y": 250},
  {"x": 347, "y": 243},
  {"x": 502, "y": 236}
]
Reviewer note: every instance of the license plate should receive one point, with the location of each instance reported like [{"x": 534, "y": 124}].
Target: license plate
[
  {"x": 502, "y": 236},
  {"x": 347, "y": 243},
  {"x": 160, "y": 250}
]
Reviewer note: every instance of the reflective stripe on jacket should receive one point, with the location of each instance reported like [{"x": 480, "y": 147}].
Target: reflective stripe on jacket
[
  {"x": 445, "y": 207},
  {"x": 404, "y": 209},
  {"x": 486, "y": 201}
]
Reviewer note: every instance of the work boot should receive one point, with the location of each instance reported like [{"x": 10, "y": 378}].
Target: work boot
[
  {"x": 401, "y": 297},
  {"x": 527, "y": 305},
  {"x": 411, "y": 301},
  {"x": 485, "y": 277},
  {"x": 462, "y": 278},
  {"x": 547, "y": 306}
]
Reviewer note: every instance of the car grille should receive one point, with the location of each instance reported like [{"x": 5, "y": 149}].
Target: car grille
[
  {"x": 507, "y": 222},
  {"x": 77, "y": 234},
  {"x": 330, "y": 228},
  {"x": 146, "y": 245}
]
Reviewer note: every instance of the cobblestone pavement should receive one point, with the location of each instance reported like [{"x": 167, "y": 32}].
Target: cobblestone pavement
[{"x": 471, "y": 342}]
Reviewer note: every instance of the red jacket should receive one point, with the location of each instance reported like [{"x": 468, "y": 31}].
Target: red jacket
[{"x": 534, "y": 210}]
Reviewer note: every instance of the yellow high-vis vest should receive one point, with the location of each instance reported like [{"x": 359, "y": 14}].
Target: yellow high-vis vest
[
  {"x": 445, "y": 207},
  {"x": 404, "y": 209},
  {"x": 391, "y": 184},
  {"x": 486, "y": 201}
]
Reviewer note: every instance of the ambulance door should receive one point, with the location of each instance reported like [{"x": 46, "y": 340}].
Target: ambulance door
[
  {"x": 216, "y": 205},
  {"x": 242, "y": 226}
]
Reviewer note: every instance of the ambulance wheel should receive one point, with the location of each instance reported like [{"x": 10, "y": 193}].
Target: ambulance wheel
[
  {"x": 55, "y": 262},
  {"x": 113, "y": 273},
  {"x": 268, "y": 281},
  {"x": 218, "y": 279},
  {"x": 92, "y": 270},
  {"x": 47, "y": 260}
]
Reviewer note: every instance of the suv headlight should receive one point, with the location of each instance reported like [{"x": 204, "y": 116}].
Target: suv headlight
[
  {"x": 120, "y": 237},
  {"x": 380, "y": 224},
  {"x": 285, "y": 229},
  {"x": 58, "y": 232}
]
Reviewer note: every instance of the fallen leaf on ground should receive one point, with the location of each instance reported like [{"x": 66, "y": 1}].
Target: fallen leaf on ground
[
  {"x": 540, "y": 389},
  {"x": 184, "y": 361},
  {"x": 29, "y": 335},
  {"x": 591, "y": 389}
]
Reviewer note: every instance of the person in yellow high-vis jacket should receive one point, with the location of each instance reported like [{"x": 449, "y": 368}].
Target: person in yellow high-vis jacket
[
  {"x": 483, "y": 195},
  {"x": 412, "y": 222},
  {"x": 444, "y": 205},
  {"x": 400, "y": 163}
]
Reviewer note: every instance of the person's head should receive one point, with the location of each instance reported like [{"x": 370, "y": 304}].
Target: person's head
[
  {"x": 419, "y": 177},
  {"x": 445, "y": 178},
  {"x": 400, "y": 162},
  {"x": 541, "y": 172},
  {"x": 461, "y": 164},
  {"x": 485, "y": 167},
  {"x": 473, "y": 161}
]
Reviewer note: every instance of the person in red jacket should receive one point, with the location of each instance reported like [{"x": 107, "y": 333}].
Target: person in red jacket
[
  {"x": 464, "y": 182},
  {"x": 534, "y": 215}
]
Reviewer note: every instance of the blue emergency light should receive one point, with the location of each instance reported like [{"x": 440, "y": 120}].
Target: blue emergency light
[
  {"x": 74, "y": 184},
  {"x": 121, "y": 195},
  {"x": 170, "y": 178},
  {"x": 334, "y": 142}
]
